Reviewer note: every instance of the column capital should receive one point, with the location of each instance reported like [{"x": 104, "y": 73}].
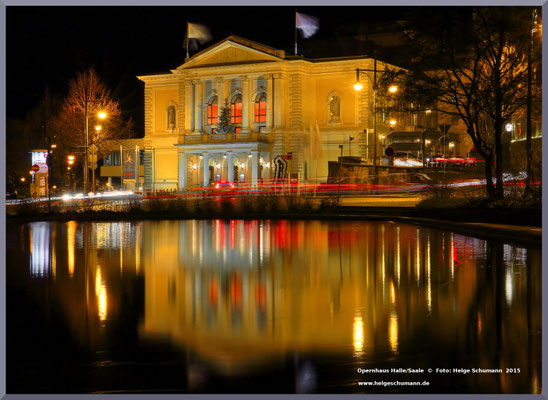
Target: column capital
[{"x": 277, "y": 75}]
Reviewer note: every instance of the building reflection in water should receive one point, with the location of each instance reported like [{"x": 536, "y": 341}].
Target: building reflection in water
[
  {"x": 262, "y": 289},
  {"x": 243, "y": 293}
]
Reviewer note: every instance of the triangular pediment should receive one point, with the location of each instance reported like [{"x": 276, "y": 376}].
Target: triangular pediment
[{"x": 232, "y": 51}]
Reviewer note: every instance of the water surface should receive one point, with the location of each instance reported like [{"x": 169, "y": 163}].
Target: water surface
[{"x": 268, "y": 307}]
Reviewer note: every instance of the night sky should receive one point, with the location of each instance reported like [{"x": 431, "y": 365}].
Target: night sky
[{"x": 47, "y": 46}]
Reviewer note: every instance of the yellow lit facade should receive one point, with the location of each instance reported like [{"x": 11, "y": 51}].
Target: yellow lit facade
[{"x": 279, "y": 101}]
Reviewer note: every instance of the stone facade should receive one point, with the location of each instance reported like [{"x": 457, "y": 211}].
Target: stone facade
[{"x": 311, "y": 108}]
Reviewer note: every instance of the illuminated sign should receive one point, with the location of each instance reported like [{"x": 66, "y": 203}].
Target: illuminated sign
[{"x": 39, "y": 158}]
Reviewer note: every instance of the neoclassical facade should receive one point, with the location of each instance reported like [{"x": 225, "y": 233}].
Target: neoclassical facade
[{"x": 280, "y": 105}]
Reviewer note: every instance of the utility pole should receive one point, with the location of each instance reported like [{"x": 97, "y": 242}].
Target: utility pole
[
  {"x": 529, "y": 133},
  {"x": 86, "y": 133},
  {"x": 375, "y": 170},
  {"x": 350, "y": 139},
  {"x": 340, "y": 175}
]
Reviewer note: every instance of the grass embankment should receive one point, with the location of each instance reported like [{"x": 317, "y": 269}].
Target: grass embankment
[
  {"x": 459, "y": 205},
  {"x": 256, "y": 207},
  {"x": 472, "y": 205}
]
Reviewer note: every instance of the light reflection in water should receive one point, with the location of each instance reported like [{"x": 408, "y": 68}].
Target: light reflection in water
[
  {"x": 452, "y": 258},
  {"x": 71, "y": 244},
  {"x": 418, "y": 260},
  {"x": 508, "y": 285},
  {"x": 393, "y": 332},
  {"x": 239, "y": 293},
  {"x": 357, "y": 337},
  {"x": 398, "y": 259},
  {"x": 101, "y": 293},
  {"x": 40, "y": 263},
  {"x": 428, "y": 277}
]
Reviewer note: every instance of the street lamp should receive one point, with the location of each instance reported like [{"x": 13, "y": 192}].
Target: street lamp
[
  {"x": 101, "y": 115},
  {"x": 358, "y": 86},
  {"x": 70, "y": 161}
]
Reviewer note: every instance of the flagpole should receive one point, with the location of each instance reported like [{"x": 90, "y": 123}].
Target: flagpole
[
  {"x": 295, "y": 31},
  {"x": 186, "y": 39}
]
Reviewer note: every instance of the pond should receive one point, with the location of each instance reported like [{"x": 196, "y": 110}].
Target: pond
[{"x": 214, "y": 306}]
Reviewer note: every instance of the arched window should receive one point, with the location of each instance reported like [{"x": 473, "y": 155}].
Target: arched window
[
  {"x": 260, "y": 108},
  {"x": 212, "y": 111},
  {"x": 236, "y": 109}
]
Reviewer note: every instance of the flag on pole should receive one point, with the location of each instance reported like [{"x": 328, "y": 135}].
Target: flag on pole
[
  {"x": 307, "y": 24},
  {"x": 199, "y": 32}
]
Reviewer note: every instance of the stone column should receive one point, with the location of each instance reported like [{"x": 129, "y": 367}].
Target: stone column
[
  {"x": 246, "y": 105},
  {"x": 278, "y": 101},
  {"x": 266, "y": 161},
  {"x": 198, "y": 88},
  {"x": 220, "y": 94},
  {"x": 269, "y": 102},
  {"x": 205, "y": 169},
  {"x": 254, "y": 167},
  {"x": 189, "y": 108},
  {"x": 230, "y": 166},
  {"x": 183, "y": 173}
]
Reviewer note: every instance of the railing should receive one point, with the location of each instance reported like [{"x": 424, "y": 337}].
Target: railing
[{"x": 224, "y": 138}]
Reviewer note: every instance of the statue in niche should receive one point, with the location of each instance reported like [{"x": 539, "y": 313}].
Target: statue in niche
[
  {"x": 334, "y": 109},
  {"x": 171, "y": 122}
]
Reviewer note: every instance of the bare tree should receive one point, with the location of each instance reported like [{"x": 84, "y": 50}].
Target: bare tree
[
  {"x": 88, "y": 97},
  {"x": 472, "y": 63}
]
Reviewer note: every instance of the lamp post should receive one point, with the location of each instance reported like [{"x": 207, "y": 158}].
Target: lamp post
[
  {"x": 70, "y": 162},
  {"x": 340, "y": 175},
  {"x": 358, "y": 86},
  {"x": 101, "y": 115},
  {"x": 534, "y": 25},
  {"x": 350, "y": 139}
]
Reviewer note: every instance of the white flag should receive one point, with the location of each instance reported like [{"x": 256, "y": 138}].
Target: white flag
[
  {"x": 200, "y": 32},
  {"x": 307, "y": 24}
]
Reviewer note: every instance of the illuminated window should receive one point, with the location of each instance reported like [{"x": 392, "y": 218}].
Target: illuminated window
[
  {"x": 260, "y": 108},
  {"x": 212, "y": 111},
  {"x": 236, "y": 110}
]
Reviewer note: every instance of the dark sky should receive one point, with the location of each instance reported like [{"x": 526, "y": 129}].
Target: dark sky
[{"x": 47, "y": 46}]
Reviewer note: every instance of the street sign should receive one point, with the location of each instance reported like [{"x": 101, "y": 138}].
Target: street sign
[
  {"x": 444, "y": 128},
  {"x": 93, "y": 165},
  {"x": 35, "y": 168},
  {"x": 92, "y": 149},
  {"x": 389, "y": 151},
  {"x": 92, "y": 158}
]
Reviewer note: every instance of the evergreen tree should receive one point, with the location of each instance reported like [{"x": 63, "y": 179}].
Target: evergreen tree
[{"x": 224, "y": 125}]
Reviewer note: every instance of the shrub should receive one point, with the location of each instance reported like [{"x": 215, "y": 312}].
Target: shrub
[{"x": 204, "y": 207}]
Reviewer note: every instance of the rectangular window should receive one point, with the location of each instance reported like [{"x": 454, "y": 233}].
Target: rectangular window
[
  {"x": 260, "y": 111},
  {"x": 236, "y": 113},
  {"x": 212, "y": 114}
]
